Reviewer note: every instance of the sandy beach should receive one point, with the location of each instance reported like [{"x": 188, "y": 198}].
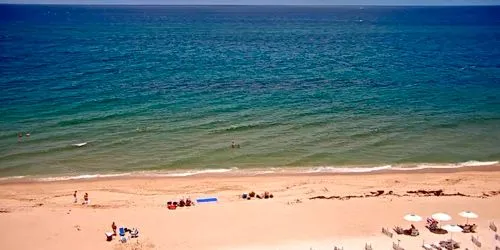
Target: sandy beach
[{"x": 42, "y": 215}]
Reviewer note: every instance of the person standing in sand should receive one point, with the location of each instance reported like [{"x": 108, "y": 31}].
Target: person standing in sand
[
  {"x": 75, "y": 198},
  {"x": 86, "y": 199},
  {"x": 113, "y": 226}
]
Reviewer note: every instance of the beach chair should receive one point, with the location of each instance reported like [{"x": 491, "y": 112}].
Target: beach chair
[
  {"x": 368, "y": 247},
  {"x": 476, "y": 241},
  {"x": 436, "y": 246},
  {"x": 121, "y": 231},
  {"x": 426, "y": 246},
  {"x": 387, "y": 232},
  {"x": 473, "y": 228},
  {"x": 397, "y": 246},
  {"x": 493, "y": 227},
  {"x": 398, "y": 230}
]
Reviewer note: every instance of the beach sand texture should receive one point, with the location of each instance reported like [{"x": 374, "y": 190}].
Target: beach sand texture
[{"x": 41, "y": 215}]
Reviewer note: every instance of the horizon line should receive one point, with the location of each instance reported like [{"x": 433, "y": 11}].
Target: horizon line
[{"x": 216, "y": 4}]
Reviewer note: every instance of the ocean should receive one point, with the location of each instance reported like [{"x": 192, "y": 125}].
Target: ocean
[{"x": 115, "y": 90}]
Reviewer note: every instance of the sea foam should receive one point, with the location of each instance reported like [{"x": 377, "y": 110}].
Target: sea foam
[{"x": 264, "y": 171}]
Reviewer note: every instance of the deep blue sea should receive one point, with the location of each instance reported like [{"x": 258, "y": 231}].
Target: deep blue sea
[{"x": 152, "y": 89}]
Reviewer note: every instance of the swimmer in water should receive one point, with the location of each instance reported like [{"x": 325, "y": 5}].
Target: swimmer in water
[{"x": 233, "y": 145}]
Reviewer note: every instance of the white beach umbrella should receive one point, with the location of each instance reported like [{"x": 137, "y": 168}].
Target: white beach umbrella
[
  {"x": 468, "y": 215},
  {"x": 412, "y": 218},
  {"x": 441, "y": 217},
  {"x": 452, "y": 229}
]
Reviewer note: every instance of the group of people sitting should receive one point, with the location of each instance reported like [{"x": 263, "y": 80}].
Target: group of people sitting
[
  {"x": 449, "y": 244},
  {"x": 265, "y": 195},
  {"x": 412, "y": 231},
  {"x": 134, "y": 233},
  {"x": 432, "y": 225},
  {"x": 182, "y": 203},
  {"x": 468, "y": 228}
]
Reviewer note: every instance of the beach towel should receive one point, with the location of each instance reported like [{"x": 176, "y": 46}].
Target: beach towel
[{"x": 206, "y": 200}]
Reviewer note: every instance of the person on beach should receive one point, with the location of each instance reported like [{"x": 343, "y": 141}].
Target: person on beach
[
  {"x": 86, "y": 199},
  {"x": 19, "y": 136},
  {"x": 74, "y": 197},
  {"x": 113, "y": 226}
]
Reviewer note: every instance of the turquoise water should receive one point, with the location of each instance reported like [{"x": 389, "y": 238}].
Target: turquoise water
[{"x": 169, "y": 88}]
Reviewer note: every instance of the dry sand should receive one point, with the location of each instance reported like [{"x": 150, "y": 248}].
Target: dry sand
[{"x": 41, "y": 215}]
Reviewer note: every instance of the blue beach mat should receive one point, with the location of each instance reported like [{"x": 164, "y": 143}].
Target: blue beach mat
[{"x": 206, "y": 200}]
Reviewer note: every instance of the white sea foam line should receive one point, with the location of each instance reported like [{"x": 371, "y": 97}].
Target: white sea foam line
[
  {"x": 347, "y": 170},
  {"x": 324, "y": 169},
  {"x": 12, "y": 178},
  {"x": 389, "y": 167},
  {"x": 478, "y": 163},
  {"x": 79, "y": 177},
  {"x": 190, "y": 172},
  {"x": 265, "y": 172},
  {"x": 448, "y": 165}
]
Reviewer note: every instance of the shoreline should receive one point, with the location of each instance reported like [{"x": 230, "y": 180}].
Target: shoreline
[{"x": 239, "y": 173}]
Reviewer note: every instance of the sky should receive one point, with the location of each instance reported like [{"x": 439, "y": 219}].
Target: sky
[{"x": 263, "y": 2}]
